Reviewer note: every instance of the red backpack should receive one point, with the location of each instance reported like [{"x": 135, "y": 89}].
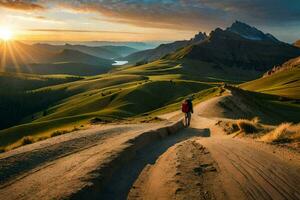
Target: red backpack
[{"x": 185, "y": 107}]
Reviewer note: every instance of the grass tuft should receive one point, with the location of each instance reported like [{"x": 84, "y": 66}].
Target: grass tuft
[
  {"x": 284, "y": 133},
  {"x": 241, "y": 126},
  {"x": 248, "y": 126}
]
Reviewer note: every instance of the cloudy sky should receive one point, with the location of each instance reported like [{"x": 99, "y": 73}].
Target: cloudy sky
[{"x": 144, "y": 20}]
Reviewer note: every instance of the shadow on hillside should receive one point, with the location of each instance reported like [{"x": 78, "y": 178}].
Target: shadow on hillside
[
  {"x": 122, "y": 180},
  {"x": 270, "y": 108}
]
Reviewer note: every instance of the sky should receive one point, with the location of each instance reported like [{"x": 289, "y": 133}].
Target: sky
[{"x": 144, "y": 20}]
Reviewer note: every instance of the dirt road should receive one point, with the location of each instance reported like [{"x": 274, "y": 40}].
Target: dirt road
[
  {"x": 149, "y": 161},
  {"x": 217, "y": 166},
  {"x": 65, "y": 165}
]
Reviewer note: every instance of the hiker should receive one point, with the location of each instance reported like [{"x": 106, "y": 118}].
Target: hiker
[{"x": 187, "y": 109}]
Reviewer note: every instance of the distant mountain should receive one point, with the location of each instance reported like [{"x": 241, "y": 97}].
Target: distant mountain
[
  {"x": 136, "y": 45},
  {"x": 106, "y": 52},
  {"x": 291, "y": 64},
  {"x": 250, "y": 33},
  {"x": 16, "y": 54},
  {"x": 297, "y": 43},
  {"x": 121, "y": 50},
  {"x": 154, "y": 54},
  {"x": 74, "y": 56},
  {"x": 20, "y": 57},
  {"x": 19, "y": 54},
  {"x": 163, "y": 49},
  {"x": 232, "y": 49}
]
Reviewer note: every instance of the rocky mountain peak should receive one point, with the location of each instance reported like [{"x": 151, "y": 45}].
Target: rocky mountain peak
[
  {"x": 199, "y": 37},
  {"x": 249, "y": 32}
]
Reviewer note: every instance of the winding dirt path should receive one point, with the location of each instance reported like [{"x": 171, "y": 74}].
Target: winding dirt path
[
  {"x": 217, "y": 166},
  {"x": 149, "y": 161}
]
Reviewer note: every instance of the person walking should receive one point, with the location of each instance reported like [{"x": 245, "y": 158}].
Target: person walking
[{"x": 187, "y": 109}]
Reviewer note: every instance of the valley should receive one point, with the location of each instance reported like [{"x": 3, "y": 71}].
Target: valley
[{"x": 88, "y": 121}]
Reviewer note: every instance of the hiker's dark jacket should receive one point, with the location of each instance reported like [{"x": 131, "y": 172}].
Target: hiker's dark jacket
[{"x": 190, "y": 106}]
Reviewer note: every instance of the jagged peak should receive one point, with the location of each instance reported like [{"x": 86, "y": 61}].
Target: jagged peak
[
  {"x": 250, "y": 32},
  {"x": 199, "y": 36}
]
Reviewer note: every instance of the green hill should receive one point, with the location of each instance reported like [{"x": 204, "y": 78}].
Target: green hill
[
  {"x": 128, "y": 92},
  {"x": 68, "y": 68},
  {"x": 21, "y": 82},
  {"x": 17, "y": 99},
  {"x": 68, "y": 55},
  {"x": 285, "y": 82},
  {"x": 131, "y": 93}
]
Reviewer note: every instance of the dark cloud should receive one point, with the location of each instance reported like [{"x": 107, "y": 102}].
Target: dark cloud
[
  {"x": 21, "y": 5},
  {"x": 264, "y": 11},
  {"x": 160, "y": 14},
  {"x": 191, "y": 14},
  {"x": 177, "y": 14}
]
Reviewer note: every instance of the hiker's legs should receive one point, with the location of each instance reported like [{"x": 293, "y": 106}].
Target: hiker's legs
[
  {"x": 189, "y": 116},
  {"x": 185, "y": 119}
]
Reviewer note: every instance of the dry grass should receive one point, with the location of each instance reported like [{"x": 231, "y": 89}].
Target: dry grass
[
  {"x": 31, "y": 139},
  {"x": 248, "y": 126},
  {"x": 59, "y": 132},
  {"x": 284, "y": 133},
  {"x": 242, "y": 126}
]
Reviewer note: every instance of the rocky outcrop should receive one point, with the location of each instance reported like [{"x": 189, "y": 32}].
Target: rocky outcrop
[{"x": 291, "y": 64}]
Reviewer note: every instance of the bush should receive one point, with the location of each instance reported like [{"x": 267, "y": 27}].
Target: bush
[
  {"x": 27, "y": 140},
  {"x": 97, "y": 120},
  {"x": 59, "y": 132},
  {"x": 241, "y": 126},
  {"x": 141, "y": 63},
  {"x": 247, "y": 126},
  {"x": 234, "y": 127}
]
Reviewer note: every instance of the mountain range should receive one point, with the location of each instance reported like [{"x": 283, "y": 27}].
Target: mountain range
[
  {"x": 106, "y": 52},
  {"x": 239, "y": 45},
  {"x": 135, "y": 45},
  {"x": 52, "y": 59},
  {"x": 163, "y": 49},
  {"x": 227, "y": 48}
]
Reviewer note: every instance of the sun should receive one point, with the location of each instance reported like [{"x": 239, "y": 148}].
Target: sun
[{"x": 5, "y": 34}]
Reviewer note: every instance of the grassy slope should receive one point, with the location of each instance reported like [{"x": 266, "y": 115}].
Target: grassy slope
[
  {"x": 71, "y": 68},
  {"x": 285, "y": 83},
  {"x": 278, "y": 93},
  {"x": 279, "y": 110},
  {"x": 16, "y": 99},
  {"x": 21, "y": 82},
  {"x": 127, "y": 92},
  {"x": 132, "y": 91}
]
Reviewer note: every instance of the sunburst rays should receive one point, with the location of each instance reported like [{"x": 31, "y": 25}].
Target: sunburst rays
[{"x": 14, "y": 57}]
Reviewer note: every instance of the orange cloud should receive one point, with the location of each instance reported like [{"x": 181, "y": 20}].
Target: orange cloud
[
  {"x": 152, "y": 16},
  {"x": 20, "y": 5}
]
